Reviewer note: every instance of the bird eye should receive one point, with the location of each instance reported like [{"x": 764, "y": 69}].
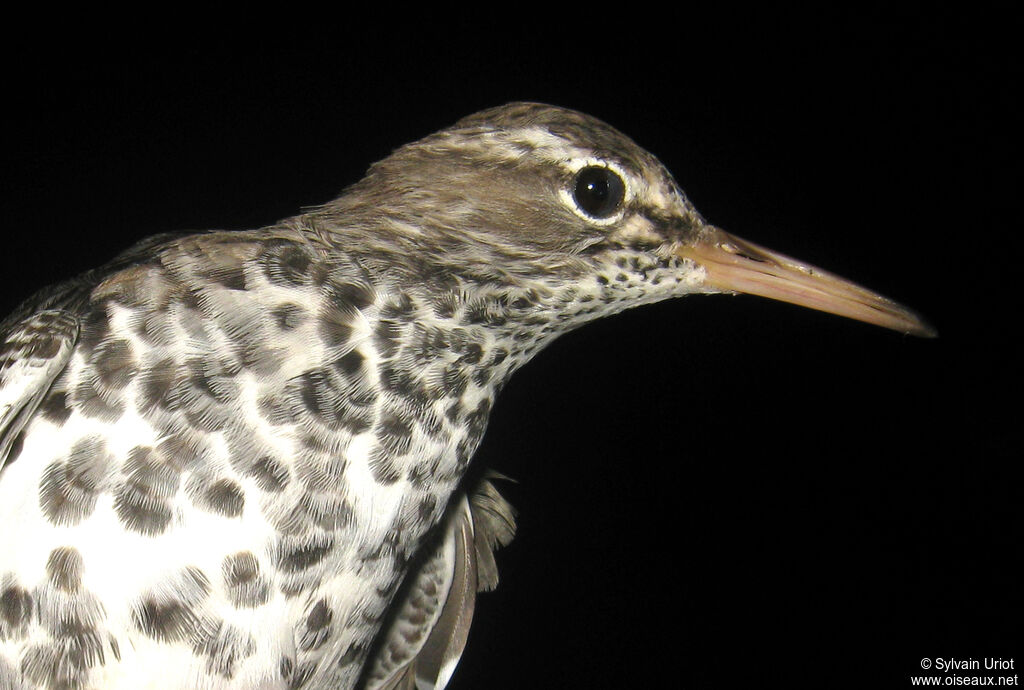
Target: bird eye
[{"x": 598, "y": 191}]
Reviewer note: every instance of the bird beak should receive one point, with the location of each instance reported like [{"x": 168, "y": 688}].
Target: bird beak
[{"x": 732, "y": 264}]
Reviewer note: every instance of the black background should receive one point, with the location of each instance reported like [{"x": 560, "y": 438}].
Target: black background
[{"x": 714, "y": 492}]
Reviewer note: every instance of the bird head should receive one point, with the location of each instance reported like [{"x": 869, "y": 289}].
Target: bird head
[{"x": 531, "y": 197}]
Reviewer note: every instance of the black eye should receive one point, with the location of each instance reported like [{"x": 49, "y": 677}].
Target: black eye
[{"x": 598, "y": 191}]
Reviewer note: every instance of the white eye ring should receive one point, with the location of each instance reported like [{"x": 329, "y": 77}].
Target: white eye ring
[
  {"x": 598, "y": 192},
  {"x": 617, "y": 193}
]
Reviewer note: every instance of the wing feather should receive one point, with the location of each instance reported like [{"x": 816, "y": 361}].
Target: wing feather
[
  {"x": 426, "y": 639},
  {"x": 34, "y": 352}
]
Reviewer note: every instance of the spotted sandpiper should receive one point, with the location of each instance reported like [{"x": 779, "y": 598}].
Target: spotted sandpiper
[{"x": 237, "y": 459}]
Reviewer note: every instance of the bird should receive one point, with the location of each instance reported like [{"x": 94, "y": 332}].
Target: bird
[{"x": 243, "y": 459}]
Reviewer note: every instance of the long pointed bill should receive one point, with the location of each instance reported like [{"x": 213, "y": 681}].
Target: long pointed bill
[{"x": 736, "y": 265}]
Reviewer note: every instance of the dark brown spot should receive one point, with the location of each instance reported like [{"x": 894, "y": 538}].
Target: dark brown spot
[
  {"x": 142, "y": 511},
  {"x": 230, "y": 276},
  {"x": 295, "y": 555},
  {"x": 270, "y": 475},
  {"x": 455, "y": 377},
  {"x": 349, "y": 296},
  {"x": 395, "y": 434},
  {"x": 288, "y": 316},
  {"x": 64, "y": 568},
  {"x": 170, "y": 613},
  {"x": 387, "y": 336},
  {"x": 156, "y": 383},
  {"x": 114, "y": 364},
  {"x": 223, "y": 497},
  {"x": 92, "y": 403},
  {"x": 68, "y": 489},
  {"x": 245, "y": 584},
  {"x": 15, "y": 608},
  {"x": 182, "y": 451},
  {"x": 240, "y": 569},
  {"x": 286, "y": 265},
  {"x": 95, "y": 328},
  {"x": 498, "y": 356},
  {"x": 167, "y": 621},
  {"x": 328, "y": 511},
  {"x": 142, "y": 500},
  {"x": 446, "y": 306},
  {"x": 55, "y": 407},
  {"x": 350, "y": 364},
  {"x": 426, "y": 508},
  {"x": 476, "y": 420},
  {"x": 276, "y": 411},
  {"x": 317, "y": 392},
  {"x": 317, "y": 628},
  {"x": 335, "y": 328},
  {"x": 382, "y": 466}
]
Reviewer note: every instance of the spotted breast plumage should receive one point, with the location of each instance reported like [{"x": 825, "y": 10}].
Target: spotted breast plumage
[{"x": 239, "y": 459}]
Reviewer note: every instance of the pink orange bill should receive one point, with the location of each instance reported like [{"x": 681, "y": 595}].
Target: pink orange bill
[{"x": 732, "y": 264}]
